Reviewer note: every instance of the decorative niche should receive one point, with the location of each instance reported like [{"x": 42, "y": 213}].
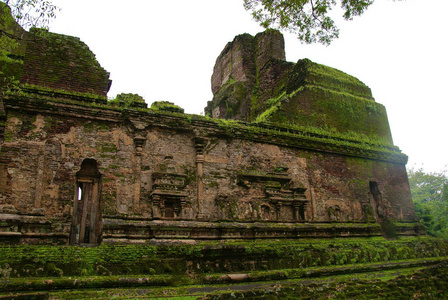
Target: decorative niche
[
  {"x": 285, "y": 200},
  {"x": 168, "y": 194}
]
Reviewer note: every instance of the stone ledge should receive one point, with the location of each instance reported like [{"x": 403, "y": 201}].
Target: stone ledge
[
  {"x": 211, "y": 128},
  {"x": 120, "y": 230},
  {"x": 144, "y": 280}
]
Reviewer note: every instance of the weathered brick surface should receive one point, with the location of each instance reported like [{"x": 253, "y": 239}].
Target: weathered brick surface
[
  {"x": 242, "y": 179},
  {"x": 78, "y": 172},
  {"x": 251, "y": 81},
  {"x": 64, "y": 63}
]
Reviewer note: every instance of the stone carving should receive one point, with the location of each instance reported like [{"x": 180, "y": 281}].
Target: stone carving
[
  {"x": 168, "y": 195},
  {"x": 288, "y": 203},
  {"x": 76, "y": 173}
]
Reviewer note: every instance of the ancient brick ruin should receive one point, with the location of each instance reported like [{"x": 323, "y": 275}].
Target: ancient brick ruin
[{"x": 308, "y": 153}]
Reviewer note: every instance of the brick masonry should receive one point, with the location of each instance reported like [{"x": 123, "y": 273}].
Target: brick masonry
[{"x": 82, "y": 173}]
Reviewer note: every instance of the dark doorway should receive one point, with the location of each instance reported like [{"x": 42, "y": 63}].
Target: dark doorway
[
  {"x": 302, "y": 213},
  {"x": 86, "y": 219},
  {"x": 377, "y": 200},
  {"x": 169, "y": 209}
]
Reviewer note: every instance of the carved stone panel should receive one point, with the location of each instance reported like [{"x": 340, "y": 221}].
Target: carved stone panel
[{"x": 284, "y": 200}]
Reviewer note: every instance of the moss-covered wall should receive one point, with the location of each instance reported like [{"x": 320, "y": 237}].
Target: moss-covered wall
[
  {"x": 337, "y": 187},
  {"x": 43, "y": 154},
  {"x": 208, "y": 170},
  {"x": 63, "y": 62},
  {"x": 303, "y": 94},
  {"x": 12, "y": 48},
  {"x": 213, "y": 257},
  {"x": 321, "y": 96},
  {"x": 41, "y": 59},
  {"x": 317, "y": 269},
  {"x": 159, "y": 171},
  {"x": 244, "y": 70}
]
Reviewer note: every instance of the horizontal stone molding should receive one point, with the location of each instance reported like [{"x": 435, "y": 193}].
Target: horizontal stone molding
[{"x": 261, "y": 133}]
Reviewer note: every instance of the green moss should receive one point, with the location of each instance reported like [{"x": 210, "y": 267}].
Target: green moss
[
  {"x": 166, "y": 106},
  {"x": 66, "y": 59},
  {"x": 274, "y": 105},
  {"x": 340, "y": 112},
  {"x": 389, "y": 228},
  {"x": 128, "y": 100},
  {"x": 60, "y": 267},
  {"x": 10, "y": 71},
  {"x": 322, "y": 97},
  {"x": 108, "y": 148},
  {"x": 410, "y": 283},
  {"x": 333, "y": 79},
  {"x": 52, "y": 270},
  {"x": 52, "y": 92},
  {"x": 306, "y": 73},
  {"x": 230, "y": 98},
  {"x": 8, "y": 136},
  {"x": 306, "y": 137},
  {"x": 213, "y": 184}
]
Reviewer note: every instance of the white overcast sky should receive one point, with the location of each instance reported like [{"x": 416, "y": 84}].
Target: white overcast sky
[{"x": 166, "y": 50}]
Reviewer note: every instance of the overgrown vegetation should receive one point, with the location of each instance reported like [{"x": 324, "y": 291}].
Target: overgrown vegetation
[
  {"x": 211, "y": 257},
  {"x": 428, "y": 283},
  {"x": 55, "y": 268},
  {"x": 430, "y": 197},
  {"x": 10, "y": 55},
  {"x": 309, "y": 136},
  {"x": 126, "y": 100},
  {"x": 166, "y": 106}
]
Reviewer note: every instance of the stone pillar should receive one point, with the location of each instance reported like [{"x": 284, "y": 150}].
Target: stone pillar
[
  {"x": 200, "y": 144},
  {"x": 183, "y": 202},
  {"x": 278, "y": 210},
  {"x": 200, "y": 185},
  {"x": 313, "y": 204},
  {"x": 162, "y": 207},
  {"x": 139, "y": 142},
  {"x": 39, "y": 189},
  {"x": 156, "y": 213},
  {"x": 296, "y": 212},
  {"x": 2, "y": 120}
]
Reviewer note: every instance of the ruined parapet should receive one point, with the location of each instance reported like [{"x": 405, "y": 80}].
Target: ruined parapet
[
  {"x": 234, "y": 63},
  {"x": 238, "y": 70},
  {"x": 233, "y": 78},
  {"x": 12, "y": 47},
  {"x": 323, "y": 97},
  {"x": 56, "y": 61},
  {"x": 253, "y": 82},
  {"x": 11, "y": 53},
  {"x": 128, "y": 100},
  {"x": 49, "y": 64}
]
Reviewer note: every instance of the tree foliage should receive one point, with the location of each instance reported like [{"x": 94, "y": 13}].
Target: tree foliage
[
  {"x": 430, "y": 196},
  {"x": 310, "y": 20},
  {"x": 32, "y": 13}
]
